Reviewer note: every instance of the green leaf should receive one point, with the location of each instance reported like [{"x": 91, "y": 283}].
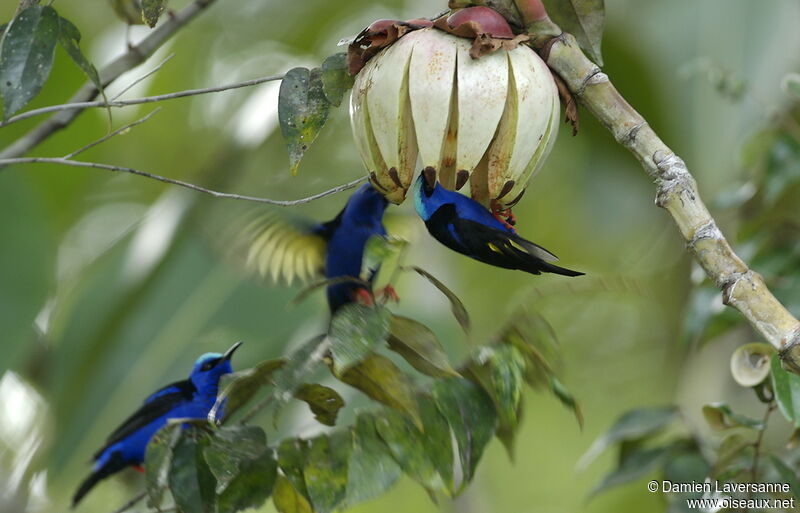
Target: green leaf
[
  {"x": 252, "y": 486},
  {"x": 566, "y": 398},
  {"x": 377, "y": 249},
  {"x": 371, "y": 469},
  {"x": 287, "y": 499},
  {"x": 787, "y": 391},
  {"x": 379, "y": 378},
  {"x": 459, "y": 311},
  {"x": 791, "y": 85},
  {"x": 27, "y": 56},
  {"x": 326, "y": 471},
  {"x": 471, "y": 415},
  {"x": 584, "y": 19},
  {"x": 355, "y": 331},
  {"x": 419, "y": 346},
  {"x": 324, "y": 402},
  {"x": 190, "y": 480},
  {"x": 413, "y": 449},
  {"x": 151, "y": 11},
  {"x": 639, "y": 463},
  {"x": 720, "y": 417},
  {"x": 788, "y": 475},
  {"x": 732, "y": 448},
  {"x": 336, "y": 79},
  {"x": 302, "y": 111},
  {"x": 299, "y": 364},
  {"x": 686, "y": 466},
  {"x": 157, "y": 462},
  {"x": 242, "y": 386},
  {"x": 292, "y": 458},
  {"x": 632, "y": 425},
  {"x": 69, "y": 37},
  {"x": 230, "y": 448}
]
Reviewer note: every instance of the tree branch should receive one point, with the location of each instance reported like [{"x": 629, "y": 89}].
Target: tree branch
[
  {"x": 180, "y": 183},
  {"x": 127, "y": 61},
  {"x": 110, "y": 135},
  {"x": 741, "y": 287},
  {"x": 139, "y": 101}
]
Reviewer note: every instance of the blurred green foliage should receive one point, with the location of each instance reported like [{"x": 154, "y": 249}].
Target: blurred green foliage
[{"x": 110, "y": 285}]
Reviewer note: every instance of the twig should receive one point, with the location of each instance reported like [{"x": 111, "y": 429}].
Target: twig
[
  {"x": 131, "y": 503},
  {"x": 741, "y": 287},
  {"x": 110, "y": 135},
  {"x": 143, "y": 77},
  {"x": 139, "y": 101},
  {"x": 257, "y": 408},
  {"x": 180, "y": 183},
  {"x": 126, "y": 62}
]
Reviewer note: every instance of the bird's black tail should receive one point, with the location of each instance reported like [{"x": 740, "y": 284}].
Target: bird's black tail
[
  {"x": 113, "y": 465},
  {"x": 543, "y": 266}
]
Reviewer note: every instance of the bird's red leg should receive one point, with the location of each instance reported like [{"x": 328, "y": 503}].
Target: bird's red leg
[
  {"x": 364, "y": 297},
  {"x": 388, "y": 293},
  {"x": 504, "y": 215},
  {"x": 138, "y": 468}
]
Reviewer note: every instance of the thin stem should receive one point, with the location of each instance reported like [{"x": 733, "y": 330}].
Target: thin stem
[
  {"x": 139, "y": 101},
  {"x": 257, "y": 408},
  {"x": 757, "y": 446},
  {"x": 181, "y": 183},
  {"x": 110, "y": 135},
  {"x": 143, "y": 77},
  {"x": 132, "y": 502}
]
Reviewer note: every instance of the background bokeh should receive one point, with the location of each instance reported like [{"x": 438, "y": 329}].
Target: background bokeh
[{"x": 111, "y": 285}]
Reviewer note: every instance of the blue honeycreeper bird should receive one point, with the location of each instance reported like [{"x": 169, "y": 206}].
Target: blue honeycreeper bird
[
  {"x": 288, "y": 247},
  {"x": 464, "y": 225},
  {"x": 191, "y": 398}
]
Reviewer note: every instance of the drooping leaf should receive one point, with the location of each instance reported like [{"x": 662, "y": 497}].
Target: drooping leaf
[
  {"x": 686, "y": 467},
  {"x": 371, "y": 469},
  {"x": 324, "y": 402},
  {"x": 157, "y": 462},
  {"x": 69, "y": 37},
  {"x": 584, "y": 19},
  {"x": 26, "y": 56},
  {"x": 720, "y": 417},
  {"x": 287, "y": 499},
  {"x": 151, "y": 11},
  {"x": 408, "y": 447},
  {"x": 292, "y": 459},
  {"x": 750, "y": 363},
  {"x": 632, "y": 425},
  {"x": 786, "y": 387},
  {"x": 566, "y": 398},
  {"x": 419, "y": 346},
  {"x": 299, "y": 364},
  {"x": 638, "y": 464},
  {"x": 326, "y": 471},
  {"x": 379, "y": 378},
  {"x": 230, "y": 448},
  {"x": 355, "y": 331},
  {"x": 190, "y": 480},
  {"x": 471, "y": 415},
  {"x": 242, "y": 386},
  {"x": 499, "y": 369},
  {"x": 302, "y": 111},
  {"x": 336, "y": 79},
  {"x": 377, "y": 249},
  {"x": 534, "y": 337},
  {"x": 788, "y": 475},
  {"x": 733, "y": 447},
  {"x": 459, "y": 311},
  {"x": 252, "y": 486}
]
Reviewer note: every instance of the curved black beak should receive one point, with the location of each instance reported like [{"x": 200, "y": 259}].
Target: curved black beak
[{"x": 229, "y": 353}]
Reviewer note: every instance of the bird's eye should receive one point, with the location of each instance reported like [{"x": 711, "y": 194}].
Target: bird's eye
[{"x": 209, "y": 364}]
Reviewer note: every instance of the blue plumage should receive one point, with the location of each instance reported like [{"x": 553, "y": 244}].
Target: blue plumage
[
  {"x": 192, "y": 398},
  {"x": 464, "y": 225},
  {"x": 346, "y": 236}
]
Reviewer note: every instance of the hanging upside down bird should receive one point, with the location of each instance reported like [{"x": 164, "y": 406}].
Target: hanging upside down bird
[
  {"x": 191, "y": 398},
  {"x": 464, "y": 225}
]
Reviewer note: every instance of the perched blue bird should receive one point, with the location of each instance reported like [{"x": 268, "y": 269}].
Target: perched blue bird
[
  {"x": 192, "y": 398},
  {"x": 285, "y": 247},
  {"x": 464, "y": 225}
]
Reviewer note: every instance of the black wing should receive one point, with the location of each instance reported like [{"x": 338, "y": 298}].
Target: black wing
[
  {"x": 490, "y": 245},
  {"x": 158, "y": 404}
]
